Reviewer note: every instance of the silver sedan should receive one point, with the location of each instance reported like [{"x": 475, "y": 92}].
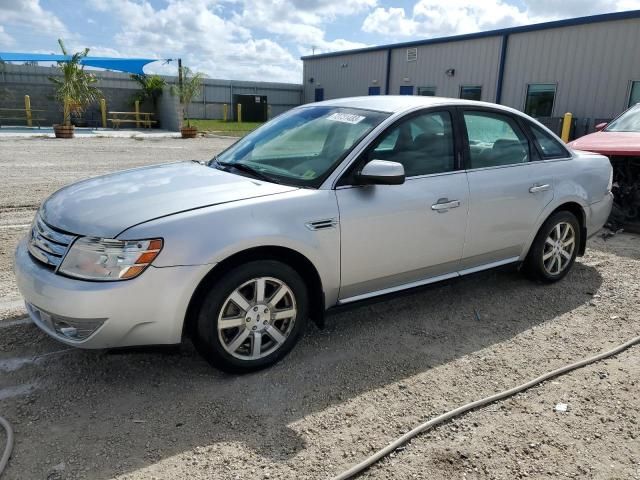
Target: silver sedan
[{"x": 328, "y": 204}]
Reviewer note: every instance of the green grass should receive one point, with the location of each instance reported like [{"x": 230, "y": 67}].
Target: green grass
[{"x": 234, "y": 129}]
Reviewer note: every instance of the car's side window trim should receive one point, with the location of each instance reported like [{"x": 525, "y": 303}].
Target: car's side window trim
[
  {"x": 460, "y": 111},
  {"x": 527, "y": 128},
  {"x": 345, "y": 177}
]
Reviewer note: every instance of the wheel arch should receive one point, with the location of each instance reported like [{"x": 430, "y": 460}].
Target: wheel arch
[
  {"x": 573, "y": 207},
  {"x": 286, "y": 255},
  {"x": 577, "y": 210}
]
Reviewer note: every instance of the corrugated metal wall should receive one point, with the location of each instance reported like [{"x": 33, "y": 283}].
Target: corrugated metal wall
[
  {"x": 345, "y": 75},
  {"x": 476, "y": 62},
  {"x": 592, "y": 66}
]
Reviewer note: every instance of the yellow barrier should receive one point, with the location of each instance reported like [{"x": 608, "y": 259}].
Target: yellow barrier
[
  {"x": 239, "y": 113},
  {"x": 103, "y": 112},
  {"x": 566, "y": 127},
  {"x": 225, "y": 113},
  {"x": 27, "y": 109},
  {"x": 137, "y": 113}
]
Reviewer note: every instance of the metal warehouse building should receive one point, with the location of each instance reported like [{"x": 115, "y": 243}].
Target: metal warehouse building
[{"x": 589, "y": 66}]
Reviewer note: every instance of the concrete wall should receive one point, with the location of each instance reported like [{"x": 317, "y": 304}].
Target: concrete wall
[{"x": 16, "y": 81}]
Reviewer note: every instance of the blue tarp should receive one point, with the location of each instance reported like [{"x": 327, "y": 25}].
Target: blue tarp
[{"x": 131, "y": 65}]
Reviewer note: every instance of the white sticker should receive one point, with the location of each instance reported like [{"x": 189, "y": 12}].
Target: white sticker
[{"x": 345, "y": 118}]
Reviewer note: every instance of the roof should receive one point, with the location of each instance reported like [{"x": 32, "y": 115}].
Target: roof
[
  {"x": 130, "y": 65},
  {"x": 401, "y": 103},
  {"x": 606, "y": 17}
]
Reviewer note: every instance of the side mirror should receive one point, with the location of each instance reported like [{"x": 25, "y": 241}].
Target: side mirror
[
  {"x": 601, "y": 126},
  {"x": 381, "y": 172}
]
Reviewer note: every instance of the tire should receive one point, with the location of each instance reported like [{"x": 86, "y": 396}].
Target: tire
[
  {"x": 546, "y": 251},
  {"x": 237, "y": 331}
]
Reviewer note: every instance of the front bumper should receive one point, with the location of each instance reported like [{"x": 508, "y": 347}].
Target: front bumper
[
  {"x": 599, "y": 213},
  {"x": 147, "y": 310}
]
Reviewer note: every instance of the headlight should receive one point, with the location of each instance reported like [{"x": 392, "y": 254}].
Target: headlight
[{"x": 104, "y": 259}]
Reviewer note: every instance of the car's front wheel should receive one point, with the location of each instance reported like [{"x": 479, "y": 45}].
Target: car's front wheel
[
  {"x": 253, "y": 316},
  {"x": 555, "y": 247}
]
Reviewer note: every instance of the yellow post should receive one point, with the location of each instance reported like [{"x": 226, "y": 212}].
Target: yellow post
[
  {"x": 137, "y": 113},
  {"x": 103, "y": 112},
  {"x": 239, "y": 113},
  {"x": 225, "y": 113},
  {"x": 27, "y": 109},
  {"x": 566, "y": 127}
]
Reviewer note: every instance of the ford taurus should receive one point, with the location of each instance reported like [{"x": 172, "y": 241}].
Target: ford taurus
[{"x": 328, "y": 204}]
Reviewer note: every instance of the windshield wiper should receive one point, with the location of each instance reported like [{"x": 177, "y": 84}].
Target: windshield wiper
[{"x": 243, "y": 167}]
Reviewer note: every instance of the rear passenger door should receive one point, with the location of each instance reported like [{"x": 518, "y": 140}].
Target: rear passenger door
[{"x": 507, "y": 191}]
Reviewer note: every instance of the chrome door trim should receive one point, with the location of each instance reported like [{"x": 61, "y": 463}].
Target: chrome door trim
[
  {"x": 428, "y": 281},
  {"x": 488, "y": 266},
  {"x": 398, "y": 288}
]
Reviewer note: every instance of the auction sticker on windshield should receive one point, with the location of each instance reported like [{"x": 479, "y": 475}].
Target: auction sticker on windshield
[{"x": 345, "y": 118}]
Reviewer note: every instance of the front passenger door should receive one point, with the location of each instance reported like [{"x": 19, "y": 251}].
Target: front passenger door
[{"x": 395, "y": 235}]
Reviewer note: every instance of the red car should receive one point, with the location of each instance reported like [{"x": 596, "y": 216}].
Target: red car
[{"x": 620, "y": 141}]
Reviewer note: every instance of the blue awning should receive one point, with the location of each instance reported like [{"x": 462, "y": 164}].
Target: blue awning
[{"x": 130, "y": 65}]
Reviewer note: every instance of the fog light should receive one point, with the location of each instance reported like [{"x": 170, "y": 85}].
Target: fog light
[
  {"x": 70, "y": 328},
  {"x": 76, "y": 329}
]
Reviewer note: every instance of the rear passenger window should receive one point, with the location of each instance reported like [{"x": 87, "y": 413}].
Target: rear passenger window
[
  {"x": 549, "y": 146},
  {"x": 495, "y": 140},
  {"x": 423, "y": 144}
]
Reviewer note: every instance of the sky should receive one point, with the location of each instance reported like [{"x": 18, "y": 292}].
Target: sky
[{"x": 260, "y": 39}]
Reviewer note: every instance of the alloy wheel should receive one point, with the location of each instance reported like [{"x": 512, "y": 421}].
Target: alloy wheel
[
  {"x": 558, "y": 248},
  {"x": 257, "y": 318}
]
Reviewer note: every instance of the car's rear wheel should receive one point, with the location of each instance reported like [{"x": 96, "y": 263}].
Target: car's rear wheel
[
  {"x": 252, "y": 317},
  {"x": 555, "y": 247}
]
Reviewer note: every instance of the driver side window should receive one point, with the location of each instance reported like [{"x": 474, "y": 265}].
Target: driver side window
[{"x": 423, "y": 144}]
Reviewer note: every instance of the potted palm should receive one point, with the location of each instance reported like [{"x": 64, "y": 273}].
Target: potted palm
[
  {"x": 151, "y": 87},
  {"x": 187, "y": 88},
  {"x": 74, "y": 89}
]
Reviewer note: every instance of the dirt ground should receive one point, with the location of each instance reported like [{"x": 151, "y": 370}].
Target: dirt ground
[{"x": 372, "y": 374}]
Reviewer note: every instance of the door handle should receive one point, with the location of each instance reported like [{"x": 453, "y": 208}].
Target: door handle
[
  {"x": 539, "y": 188},
  {"x": 444, "y": 204}
]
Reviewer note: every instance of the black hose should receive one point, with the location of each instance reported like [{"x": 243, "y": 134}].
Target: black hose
[{"x": 366, "y": 463}]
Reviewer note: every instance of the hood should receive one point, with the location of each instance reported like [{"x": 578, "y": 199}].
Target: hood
[
  {"x": 105, "y": 206},
  {"x": 609, "y": 143}
]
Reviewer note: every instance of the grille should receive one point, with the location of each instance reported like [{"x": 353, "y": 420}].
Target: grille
[{"x": 48, "y": 245}]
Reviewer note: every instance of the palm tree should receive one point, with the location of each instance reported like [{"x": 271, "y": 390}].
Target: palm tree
[
  {"x": 151, "y": 87},
  {"x": 75, "y": 89},
  {"x": 187, "y": 89}
]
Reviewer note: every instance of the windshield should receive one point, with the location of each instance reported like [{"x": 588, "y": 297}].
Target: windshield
[
  {"x": 629, "y": 121},
  {"x": 300, "y": 147}
]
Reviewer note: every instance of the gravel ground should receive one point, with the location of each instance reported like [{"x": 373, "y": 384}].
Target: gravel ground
[{"x": 373, "y": 373}]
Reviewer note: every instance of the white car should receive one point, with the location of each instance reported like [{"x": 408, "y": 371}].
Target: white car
[{"x": 327, "y": 204}]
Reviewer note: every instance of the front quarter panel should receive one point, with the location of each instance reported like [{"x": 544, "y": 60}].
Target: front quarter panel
[{"x": 210, "y": 235}]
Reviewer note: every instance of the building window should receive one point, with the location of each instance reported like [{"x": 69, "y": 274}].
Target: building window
[
  {"x": 319, "y": 94},
  {"x": 539, "y": 102},
  {"x": 634, "y": 95},
  {"x": 412, "y": 54},
  {"x": 374, "y": 90},
  {"x": 427, "y": 91},
  {"x": 470, "y": 92},
  {"x": 406, "y": 90}
]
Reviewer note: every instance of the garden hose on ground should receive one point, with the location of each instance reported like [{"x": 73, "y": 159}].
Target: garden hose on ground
[
  {"x": 8, "y": 447},
  {"x": 356, "y": 469}
]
